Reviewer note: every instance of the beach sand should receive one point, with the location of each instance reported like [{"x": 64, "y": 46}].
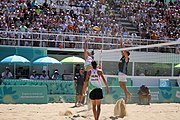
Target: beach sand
[{"x": 55, "y": 111}]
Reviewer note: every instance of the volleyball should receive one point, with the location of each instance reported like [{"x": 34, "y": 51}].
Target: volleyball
[{"x": 96, "y": 28}]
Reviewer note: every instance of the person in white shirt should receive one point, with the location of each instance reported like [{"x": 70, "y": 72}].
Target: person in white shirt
[
  {"x": 34, "y": 76},
  {"x": 44, "y": 76},
  {"x": 7, "y": 74}
]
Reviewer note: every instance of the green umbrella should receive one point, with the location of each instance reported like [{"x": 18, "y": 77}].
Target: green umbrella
[
  {"x": 178, "y": 65},
  {"x": 73, "y": 60}
]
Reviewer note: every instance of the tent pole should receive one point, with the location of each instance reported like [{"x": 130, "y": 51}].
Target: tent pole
[{"x": 14, "y": 70}]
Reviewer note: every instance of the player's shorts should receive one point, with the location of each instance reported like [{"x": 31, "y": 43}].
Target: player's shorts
[
  {"x": 122, "y": 77},
  {"x": 96, "y": 94},
  {"x": 79, "y": 89}
]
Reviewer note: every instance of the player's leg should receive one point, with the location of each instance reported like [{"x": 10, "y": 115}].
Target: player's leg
[
  {"x": 76, "y": 98},
  {"x": 78, "y": 93},
  {"x": 98, "y": 103},
  {"x": 122, "y": 82},
  {"x": 94, "y": 109},
  {"x": 126, "y": 92},
  {"x": 148, "y": 99},
  {"x": 81, "y": 97}
]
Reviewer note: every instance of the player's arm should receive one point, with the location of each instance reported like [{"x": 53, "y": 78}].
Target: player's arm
[
  {"x": 104, "y": 80},
  {"x": 121, "y": 44},
  {"x": 125, "y": 52},
  {"x": 75, "y": 81},
  {"x": 86, "y": 82},
  {"x": 85, "y": 49}
]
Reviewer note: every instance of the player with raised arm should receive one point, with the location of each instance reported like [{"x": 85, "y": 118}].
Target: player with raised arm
[{"x": 123, "y": 71}]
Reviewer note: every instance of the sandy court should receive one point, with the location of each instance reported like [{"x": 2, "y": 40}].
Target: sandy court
[{"x": 55, "y": 111}]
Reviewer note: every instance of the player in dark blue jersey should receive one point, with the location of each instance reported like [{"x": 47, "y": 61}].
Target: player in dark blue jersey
[{"x": 123, "y": 63}]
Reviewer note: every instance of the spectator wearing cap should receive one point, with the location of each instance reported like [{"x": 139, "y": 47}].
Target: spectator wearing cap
[
  {"x": 56, "y": 75},
  {"x": 7, "y": 74},
  {"x": 44, "y": 76},
  {"x": 34, "y": 76}
]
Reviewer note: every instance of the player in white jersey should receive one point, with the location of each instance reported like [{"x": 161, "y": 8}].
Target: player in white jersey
[{"x": 93, "y": 82}]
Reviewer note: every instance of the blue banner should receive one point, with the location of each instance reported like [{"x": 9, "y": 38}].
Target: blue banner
[{"x": 23, "y": 94}]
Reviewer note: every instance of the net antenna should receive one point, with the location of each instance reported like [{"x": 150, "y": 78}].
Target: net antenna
[
  {"x": 100, "y": 58},
  {"x": 142, "y": 46}
]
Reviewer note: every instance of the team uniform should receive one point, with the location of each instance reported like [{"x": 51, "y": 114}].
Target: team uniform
[
  {"x": 87, "y": 65},
  {"x": 123, "y": 69},
  {"x": 95, "y": 86}
]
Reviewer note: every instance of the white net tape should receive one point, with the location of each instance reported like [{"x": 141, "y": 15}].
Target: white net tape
[{"x": 145, "y": 46}]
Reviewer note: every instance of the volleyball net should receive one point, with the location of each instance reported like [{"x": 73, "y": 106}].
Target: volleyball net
[{"x": 161, "y": 57}]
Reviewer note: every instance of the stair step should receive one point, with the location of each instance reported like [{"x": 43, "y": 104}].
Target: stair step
[
  {"x": 117, "y": 14},
  {"x": 130, "y": 28},
  {"x": 126, "y": 23},
  {"x": 124, "y": 20}
]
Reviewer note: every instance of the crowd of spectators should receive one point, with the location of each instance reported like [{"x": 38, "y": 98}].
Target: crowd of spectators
[
  {"x": 71, "y": 16},
  {"x": 154, "y": 19}
]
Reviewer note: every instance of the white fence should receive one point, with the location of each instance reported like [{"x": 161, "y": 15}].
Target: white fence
[{"x": 69, "y": 40}]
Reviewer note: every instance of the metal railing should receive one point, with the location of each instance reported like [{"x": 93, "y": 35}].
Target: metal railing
[{"x": 70, "y": 40}]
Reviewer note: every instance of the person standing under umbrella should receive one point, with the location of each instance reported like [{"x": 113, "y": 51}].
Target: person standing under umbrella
[
  {"x": 7, "y": 74},
  {"x": 34, "y": 76},
  {"x": 44, "y": 76}
]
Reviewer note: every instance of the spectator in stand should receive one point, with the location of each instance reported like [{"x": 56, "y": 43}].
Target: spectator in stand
[
  {"x": 53, "y": 17},
  {"x": 34, "y": 76},
  {"x": 56, "y": 75},
  {"x": 7, "y": 74},
  {"x": 155, "y": 16},
  {"x": 31, "y": 13},
  {"x": 34, "y": 3},
  {"x": 44, "y": 76}
]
